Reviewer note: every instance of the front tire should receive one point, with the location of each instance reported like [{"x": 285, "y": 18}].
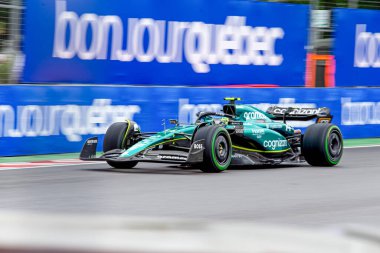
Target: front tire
[
  {"x": 116, "y": 137},
  {"x": 217, "y": 154},
  {"x": 322, "y": 145}
]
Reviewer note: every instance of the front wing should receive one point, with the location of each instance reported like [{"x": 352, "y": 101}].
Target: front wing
[{"x": 194, "y": 155}]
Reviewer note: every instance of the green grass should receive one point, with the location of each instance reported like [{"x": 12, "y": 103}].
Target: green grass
[
  {"x": 38, "y": 157},
  {"x": 361, "y": 142}
]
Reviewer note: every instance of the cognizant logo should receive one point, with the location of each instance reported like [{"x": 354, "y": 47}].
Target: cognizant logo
[
  {"x": 147, "y": 40},
  {"x": 367, "y": 47},
  {"x": 273, "y": 144}
]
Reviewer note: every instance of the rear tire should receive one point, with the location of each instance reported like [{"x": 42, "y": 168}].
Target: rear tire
[
  {"x": 116, "y": 138},
  {"x": 322, "y": 145},
  {"x": 217, "y": 155}
]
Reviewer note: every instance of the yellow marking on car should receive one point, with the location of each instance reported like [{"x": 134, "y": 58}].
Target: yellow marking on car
[
  {"x": 260, "y": 151},
  {"x": 126, "y": 133},
  {"x": 232, "y": 99}
]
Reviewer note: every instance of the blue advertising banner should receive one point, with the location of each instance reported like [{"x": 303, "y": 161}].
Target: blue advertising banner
[
  {"x": 357, "y": 47},
  {"x": 44, "y": 119},
  {"x": 187, "y": 42}
]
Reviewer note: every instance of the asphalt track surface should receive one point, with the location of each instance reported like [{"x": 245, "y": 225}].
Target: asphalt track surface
[{"x": 299, "y": 195}]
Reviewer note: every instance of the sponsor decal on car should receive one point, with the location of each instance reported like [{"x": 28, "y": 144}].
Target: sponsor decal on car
[
  {"x": 254, "y": 115},
  {"x": 288, "y": 128},
  {"x": 237, "y": 156},
  {"x": 274, "y": 126},
  {"x": 324, "y": 120},
  {"x": 258, "y": 132},
  {"x": 239, "y": 129},
  {"x": 280, "y": 126},
  {"x": 236, "y": 123},
  {"x": 112, "y": 155},
  {"x": 274, "y": 144},
  {"x": 171, "y": 157},
  {"x": 298, "y": 111},
  {"x": 198, "y": 146}
]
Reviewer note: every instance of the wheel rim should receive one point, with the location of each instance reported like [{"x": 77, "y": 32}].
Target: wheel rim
[
  {"x": 221, "y": 149},
  {"x": 335, "y": 145}
]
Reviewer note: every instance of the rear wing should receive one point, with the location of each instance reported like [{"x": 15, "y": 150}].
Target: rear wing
[{"x": 322, "y": 114}]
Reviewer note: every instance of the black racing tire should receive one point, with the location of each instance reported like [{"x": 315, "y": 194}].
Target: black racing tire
[
  {"x": 322, "y": 145},
  {"x": 115, "y": 138},
  {"x": 217, "y": 155}
]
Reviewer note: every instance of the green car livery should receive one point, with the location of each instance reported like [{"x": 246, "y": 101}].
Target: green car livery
[{"x": 239, "y": 135}]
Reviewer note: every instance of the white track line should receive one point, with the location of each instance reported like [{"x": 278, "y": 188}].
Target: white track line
[
  {"x": 43, "y": 166},
  {"x": 368, "y": 146}
]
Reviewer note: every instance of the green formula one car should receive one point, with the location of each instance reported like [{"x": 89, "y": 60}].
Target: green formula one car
[{"x": 239, "y": 135}]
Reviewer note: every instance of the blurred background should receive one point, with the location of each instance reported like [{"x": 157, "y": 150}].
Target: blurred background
[
  {"x": 60, "y": 61},
  {"x": 70, "y": 68}
]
